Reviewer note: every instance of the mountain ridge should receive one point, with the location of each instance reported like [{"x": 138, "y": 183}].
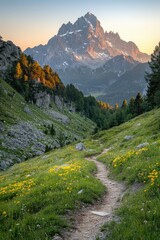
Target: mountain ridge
[{"x": 84, "y": 42}]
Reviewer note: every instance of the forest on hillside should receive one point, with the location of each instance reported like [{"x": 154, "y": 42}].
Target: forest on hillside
[{"x": 28, "y": 78}]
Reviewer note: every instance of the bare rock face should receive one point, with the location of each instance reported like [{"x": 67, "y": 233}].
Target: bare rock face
[
  {"x": 22, "y": 137},
  {"x": 8, "y": 53},
  {"x": 59, "y": 102},
  {"x": 43, "y": 100}
]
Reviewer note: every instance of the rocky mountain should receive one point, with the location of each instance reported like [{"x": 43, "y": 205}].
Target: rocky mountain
[
  {"x": 85, "y": 43},
  {"x": 9, "y": 53},
  {"x": 89, "y": 57}
]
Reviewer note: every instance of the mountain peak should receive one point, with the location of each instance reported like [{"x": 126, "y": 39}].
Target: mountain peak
[
  {"x": 89, "y": 15},
  {"x": 91, "y": 18},
  {"x": 65, "y": 27}
]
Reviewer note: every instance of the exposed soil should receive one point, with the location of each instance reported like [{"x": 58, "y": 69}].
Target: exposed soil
[{"x": 90, "y": 220}]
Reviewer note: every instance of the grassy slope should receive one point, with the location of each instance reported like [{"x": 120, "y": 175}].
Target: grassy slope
[
  {"x": 12, "y": 112},
  {"x": 140, "y": 169},
  {"x": 36, "y": 197}
]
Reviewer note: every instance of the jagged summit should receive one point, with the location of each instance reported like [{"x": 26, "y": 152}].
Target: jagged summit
[
  {"x": 91, "y": 19},
  {"x": 86, "y": 21}
]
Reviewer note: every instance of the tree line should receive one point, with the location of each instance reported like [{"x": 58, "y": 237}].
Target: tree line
[{"x": 28, "y": 78}]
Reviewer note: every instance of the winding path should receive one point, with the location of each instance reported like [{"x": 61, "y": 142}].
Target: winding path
[{"x": 90, "y": 220}]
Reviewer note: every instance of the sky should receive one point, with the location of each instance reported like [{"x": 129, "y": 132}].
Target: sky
[{"x": 28, "y": 23}]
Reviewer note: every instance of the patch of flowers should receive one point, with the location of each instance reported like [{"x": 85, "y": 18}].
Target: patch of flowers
[
  {"x": 120, "y": 160},
  {"x": 66, "y": 168},
  {"x": 17, "y": 188}
]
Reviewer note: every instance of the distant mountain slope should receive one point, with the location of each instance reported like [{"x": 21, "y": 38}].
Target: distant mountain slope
[
  {"x": 127, "y": 86},
  {"x": 98, "y": 80}
]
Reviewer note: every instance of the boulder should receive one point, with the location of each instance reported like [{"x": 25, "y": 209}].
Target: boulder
[
  {"x": 80, "y": 147},
  {"x": 128, "y": 137},
  {"x": 142, "y": 145}
]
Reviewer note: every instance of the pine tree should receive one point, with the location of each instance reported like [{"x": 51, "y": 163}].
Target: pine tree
[
  {"x": 138, "y": 104},
  {"x": 153, "y": 78},
  {"x": 52, "y": 130},
  {"x": 18, "y": 71},
  {"x": 116, "y": 106},
  {"x": 124, "y": 104},
  {"x": 131, "y": 106}
]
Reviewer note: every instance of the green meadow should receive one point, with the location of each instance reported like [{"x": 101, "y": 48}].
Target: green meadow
[{"x": 41, "y": 196}]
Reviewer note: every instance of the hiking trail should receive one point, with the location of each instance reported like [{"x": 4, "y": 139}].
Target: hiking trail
[{"x": 90, "y": 220}]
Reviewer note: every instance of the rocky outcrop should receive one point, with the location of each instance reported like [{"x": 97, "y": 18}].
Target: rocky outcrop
[
  {"x": 43, "y": 100},
  {"x": 22, "y": 137},
  {"x": 61, "y": 104},
  {"x": 9, "y": 53}
]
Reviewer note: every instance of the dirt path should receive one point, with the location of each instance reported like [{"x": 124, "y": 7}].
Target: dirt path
[{"x": 90, "y": 220}]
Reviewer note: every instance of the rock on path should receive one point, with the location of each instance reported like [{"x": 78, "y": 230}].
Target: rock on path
[{"x": 90, "y": 220}]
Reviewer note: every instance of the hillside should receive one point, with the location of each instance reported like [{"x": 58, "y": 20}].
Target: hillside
[
  {"x": 40, "y": 197},
  {"x": 27, "y": 130}
]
